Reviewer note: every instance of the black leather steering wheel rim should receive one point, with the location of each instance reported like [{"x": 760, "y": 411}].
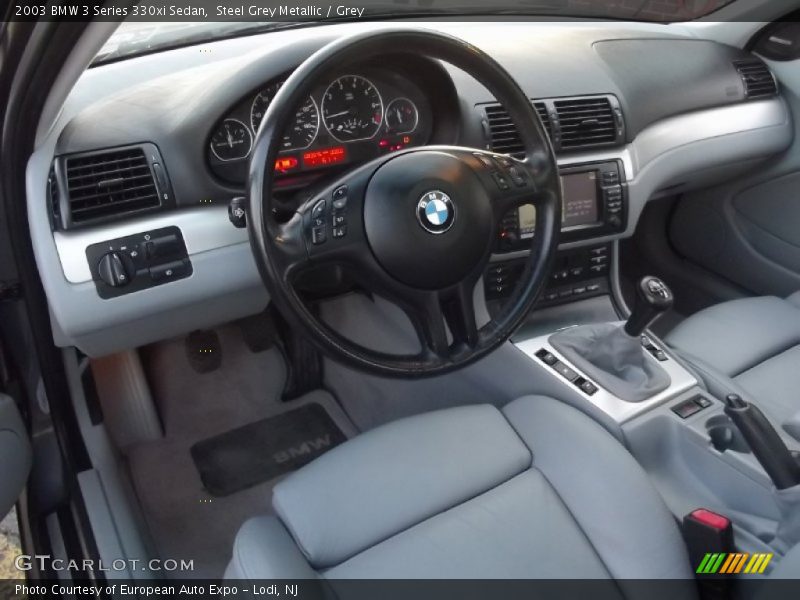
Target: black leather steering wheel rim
[{"x": 280, "y": 249}]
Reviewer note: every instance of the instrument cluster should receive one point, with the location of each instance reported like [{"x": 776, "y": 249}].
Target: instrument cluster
[{"x": 352, "y": 118}]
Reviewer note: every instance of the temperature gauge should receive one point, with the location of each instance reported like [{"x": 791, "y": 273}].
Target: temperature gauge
[{"x": 401, "y": 116}]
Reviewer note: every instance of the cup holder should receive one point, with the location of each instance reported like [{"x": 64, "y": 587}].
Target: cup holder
[{"x": 725, "y": 435}]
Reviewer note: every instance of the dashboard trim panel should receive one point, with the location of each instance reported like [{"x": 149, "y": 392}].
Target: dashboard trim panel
[{"x": 203, "y": 229}]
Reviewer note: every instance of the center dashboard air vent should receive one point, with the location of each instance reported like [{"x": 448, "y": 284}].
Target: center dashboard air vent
[
  {"x": 573, "y": 124},
  {"x": 758, "y": 79},
  {"x": 107, "y": 184}
]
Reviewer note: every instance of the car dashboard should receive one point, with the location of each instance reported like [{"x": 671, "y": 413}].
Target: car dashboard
[{"x": 128, "y": 193}]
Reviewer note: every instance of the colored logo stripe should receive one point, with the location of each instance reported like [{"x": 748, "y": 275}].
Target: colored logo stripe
[{"x": 734, "y": 562}]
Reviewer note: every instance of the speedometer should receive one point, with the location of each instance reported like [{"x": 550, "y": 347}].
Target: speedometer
[
  {"x": 352, "y": 109},
  {"x": 302, "y": 131}
]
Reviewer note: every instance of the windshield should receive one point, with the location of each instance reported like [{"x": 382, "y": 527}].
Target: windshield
[{"x": 139, "y": 33}]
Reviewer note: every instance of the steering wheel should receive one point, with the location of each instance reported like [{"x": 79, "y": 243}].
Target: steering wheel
[{"x": 415, "y": 227}]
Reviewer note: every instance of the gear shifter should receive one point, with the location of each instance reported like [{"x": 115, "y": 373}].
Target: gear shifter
[
  {"x": 653, "y": 298},
  {"x": 611, "y": 354}
]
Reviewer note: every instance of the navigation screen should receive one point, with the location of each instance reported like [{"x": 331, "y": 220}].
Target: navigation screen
[
  {"x": 580, "y": 199},
  {"x": 580, "y": 205}
]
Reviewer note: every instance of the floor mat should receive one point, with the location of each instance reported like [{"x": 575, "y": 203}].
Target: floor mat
[
  {"x": 184, "y": 520},
  {"x": 266, "y": 449}
]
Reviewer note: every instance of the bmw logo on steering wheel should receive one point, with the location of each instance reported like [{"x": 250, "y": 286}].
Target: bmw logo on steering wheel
[{"x": 435, "y": 212}]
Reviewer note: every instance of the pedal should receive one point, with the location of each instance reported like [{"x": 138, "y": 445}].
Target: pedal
[
  {"x": 203, "y": 351},
  {"x": 303, "y": 360},
  {"x": 259, "y": 331}
]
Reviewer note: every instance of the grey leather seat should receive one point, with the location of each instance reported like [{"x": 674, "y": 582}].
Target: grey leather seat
[
  {"x": 750, "y": 347},
  {"x": 535, "y": 490}
]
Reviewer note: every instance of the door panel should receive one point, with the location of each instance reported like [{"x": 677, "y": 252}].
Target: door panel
[{"x": 15, "y": 454}]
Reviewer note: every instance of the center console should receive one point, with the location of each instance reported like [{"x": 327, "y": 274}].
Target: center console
[
  {"x": 594, "y": 205},
  {"x": 699, "y": 450}
]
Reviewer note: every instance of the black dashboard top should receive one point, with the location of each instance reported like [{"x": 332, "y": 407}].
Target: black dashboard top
[{"x": 199, "y": 108}]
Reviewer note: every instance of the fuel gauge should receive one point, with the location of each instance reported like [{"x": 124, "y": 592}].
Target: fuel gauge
[{"x": 401, "y": 116}]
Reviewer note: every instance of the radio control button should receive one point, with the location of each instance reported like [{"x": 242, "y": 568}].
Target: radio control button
[{"x": 560, "y": 275}]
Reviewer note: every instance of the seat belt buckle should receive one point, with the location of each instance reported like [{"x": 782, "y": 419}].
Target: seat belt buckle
[{"x": 709, "y": 539}]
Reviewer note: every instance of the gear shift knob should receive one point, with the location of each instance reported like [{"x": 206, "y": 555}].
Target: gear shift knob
[{"x": 653, "y": 298}]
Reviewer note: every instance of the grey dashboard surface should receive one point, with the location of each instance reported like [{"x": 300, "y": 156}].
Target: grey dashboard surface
[
  {"x": 660, "y": 78},
  {"x": 173, "y": 98}
]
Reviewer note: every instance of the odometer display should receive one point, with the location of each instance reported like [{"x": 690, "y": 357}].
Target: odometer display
[{"x": 352, "y": 109}]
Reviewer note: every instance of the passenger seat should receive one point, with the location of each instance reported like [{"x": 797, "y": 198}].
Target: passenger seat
[{"x": 750, "y": 347}]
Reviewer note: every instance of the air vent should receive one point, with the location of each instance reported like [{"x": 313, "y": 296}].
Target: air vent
[
  {"x": 578, "y": 123},
  {"x": 586, "y": 122},
  {"x": 52, "y": 194},
  {"x": 758, "y": 79},
  {"x": 109, "y": 184},
  {"x": 502, "y": 133}
]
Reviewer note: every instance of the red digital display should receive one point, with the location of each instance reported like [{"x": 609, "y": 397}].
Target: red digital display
[
  {"x": 286, "y": 163},
  {"x": 326, "y": 156}
]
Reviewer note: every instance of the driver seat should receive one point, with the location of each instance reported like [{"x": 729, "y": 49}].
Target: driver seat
[{"x": 535, "y": 490}]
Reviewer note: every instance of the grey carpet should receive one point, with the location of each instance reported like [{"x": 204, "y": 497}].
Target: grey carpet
[{"x": 184, "y": 520}]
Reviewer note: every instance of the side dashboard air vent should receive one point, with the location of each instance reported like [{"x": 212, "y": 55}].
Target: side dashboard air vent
[
  {"x": 758, "y": 79},
  {"x": 111, "y": 183},
  {"x": 586, "y": 122},
  {"x": 573, "y": 124},
  {"x": 52, "y": 195},
  {"x": 503, "y": 136}
]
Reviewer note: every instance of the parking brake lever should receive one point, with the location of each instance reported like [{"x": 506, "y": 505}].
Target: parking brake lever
[{"x": 767, "y": 446}]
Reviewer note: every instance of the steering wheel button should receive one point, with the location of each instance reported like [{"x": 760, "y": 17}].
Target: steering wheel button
[
  {"x": 318, "y": 235},
  {"x": 340, "y": 232},
  {"x": 517, "y": 176},
  {"x": 504, "y": 161},
  {"x": 339, "y": 219},
  {"x": 501, "y": 181},
  {"x": 487, "y": 162},
  {"x": 319, "y": 210}
]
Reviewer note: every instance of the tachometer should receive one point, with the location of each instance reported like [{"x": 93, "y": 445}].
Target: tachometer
[
  {"x": 352, "y": 109},
  {"x": 231, "y": 141},
  {"x": 401, "y": 116},
  {"x": 302, "y": 132}
]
